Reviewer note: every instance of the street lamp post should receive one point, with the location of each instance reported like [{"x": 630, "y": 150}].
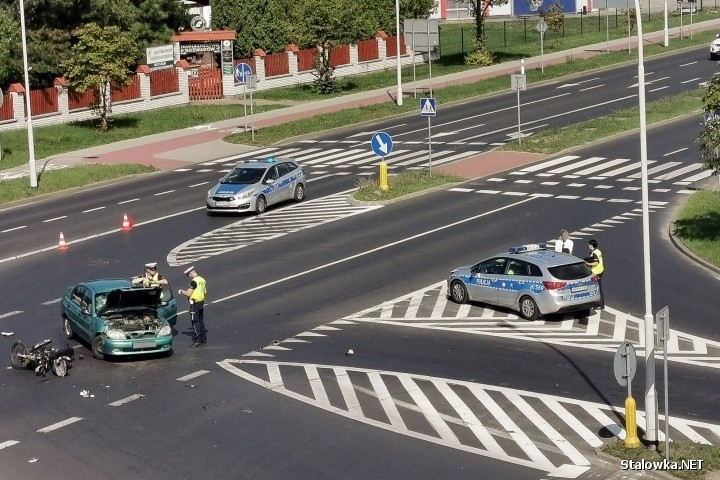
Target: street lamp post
[
  {"x": 397, "y": 44},
  {"x": 650, "y": 392},
  {"x": 666, "y": 39},
  {"x": 31, "y": 139}
]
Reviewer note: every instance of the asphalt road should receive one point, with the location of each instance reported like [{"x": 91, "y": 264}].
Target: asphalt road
[{"x": 269, "y": 397}]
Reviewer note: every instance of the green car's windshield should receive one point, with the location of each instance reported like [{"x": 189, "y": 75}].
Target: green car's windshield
[
  {"x": 243, "y": 176},
  {"x": 100, "y": 301}
]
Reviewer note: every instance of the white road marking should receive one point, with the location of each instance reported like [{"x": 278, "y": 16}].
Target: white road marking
[
  {"x": 55, "y": 426},
  {"x": 50, "y": 302},
  {"x": 8, "y": 443},
  {"x": 125, "y": 400},
  {"x": 54, "y": 219},
  {"x": 190, "y": 376},
  {"x": 197, "y": 184},
  {"x": 92, "y": 210},
  {"x": 10, "y": 314},
  {"x": 128, "y": 201},
  {"x": 14, "y": 228},
  {"x": 163, "y": 193}
]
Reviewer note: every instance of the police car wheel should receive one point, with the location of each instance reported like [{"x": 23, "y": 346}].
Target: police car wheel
[
  {"x": 458, "y": 292},
  {"x": 528, "y": 309},
  {"x": 299, "y": 194},
  {"x": 260, "y": 205}
]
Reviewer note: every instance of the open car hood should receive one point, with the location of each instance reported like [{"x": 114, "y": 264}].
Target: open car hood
[{"x": 123, "y": 298}]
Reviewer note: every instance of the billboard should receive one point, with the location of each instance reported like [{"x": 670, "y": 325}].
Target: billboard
[
  {"x": 160, "y": 57},
  {"x": 534, "y": 7}
]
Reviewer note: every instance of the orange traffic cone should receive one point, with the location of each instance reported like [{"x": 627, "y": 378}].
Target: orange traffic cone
[
  {"x": 127, "y": 223},
  {"x": 61, "y": 244}
]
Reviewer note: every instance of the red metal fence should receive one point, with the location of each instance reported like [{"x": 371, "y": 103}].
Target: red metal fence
[
  {"x": 80, "y": 100},
  {"x": 126, "y": 92},
  {"x": 43, "y": 101},
  {"x": 6, "y": 111},
  {"x": 277, "y": 64},
  {"x": 306, "y": 59},
  {"x": 367, "y": 50},
  {"x": 391, "y": 44},
  {"x": 207, "y": 85},
  {"x": 164, "y": 81},
  {"x": 340, "y": 55}
]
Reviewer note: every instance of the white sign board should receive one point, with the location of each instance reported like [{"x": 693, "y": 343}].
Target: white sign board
[
  {"x": 160, "y": 57},
  {"x": 422, "y": 34}
]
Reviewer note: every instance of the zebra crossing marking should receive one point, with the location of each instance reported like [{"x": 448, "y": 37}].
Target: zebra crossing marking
[
  {"x": 429, "y": 308},
  {"x": 510, "y": 425},
  {"x": 270, "y": 225}
]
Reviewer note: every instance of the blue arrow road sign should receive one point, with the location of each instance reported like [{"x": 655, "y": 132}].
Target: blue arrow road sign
[
  {"x": 381, "y": 144},
  {"x": 242, "y": 72},
  {"x": 427, "y": 107}
]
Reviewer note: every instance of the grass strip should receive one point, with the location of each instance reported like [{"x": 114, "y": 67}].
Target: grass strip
[
  {"x": 271, "y": 135},
  {"x": 698, "y": 225},
  {"x": 57, "y": 180},
  {"x": 679, "y": 451},
  {"x": 56, "y": 139},
  {"x": 407, "y": 182}
]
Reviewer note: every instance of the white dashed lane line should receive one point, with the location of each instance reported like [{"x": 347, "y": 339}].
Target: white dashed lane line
[
  {"x": 57, "y": 425},
  {"x": 163, "y": 193},
  {"x": 10, "y": 314},
  {"x": 125, "y": 400},
  {"x": 14, "y": 228},
  {"x": 198, "y": 184},
  {"x": 128, "y": 201},
  {"x": 8, "y": 443},
  {"x": 50, "y": 302},
  {"x": 92, "y": 210},
  {"x": 53, "y": 219},
  {"x": 190, "y": 376}
]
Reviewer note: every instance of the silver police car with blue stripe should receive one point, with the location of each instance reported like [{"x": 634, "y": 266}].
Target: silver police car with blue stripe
[
  {"x": 530, "y": 279},
  {"x": 255, "y": 184}
]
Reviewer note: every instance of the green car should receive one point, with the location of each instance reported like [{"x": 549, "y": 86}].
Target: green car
[{"x": 117, "y": 318}]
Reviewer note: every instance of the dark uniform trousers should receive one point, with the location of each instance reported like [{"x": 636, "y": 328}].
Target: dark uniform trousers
[{"x": 197, "y": 318}]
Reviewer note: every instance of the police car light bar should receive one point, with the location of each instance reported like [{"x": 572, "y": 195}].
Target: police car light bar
[
  {"x": 270, "y": 159},
  {"x": 531, "y": 247}
]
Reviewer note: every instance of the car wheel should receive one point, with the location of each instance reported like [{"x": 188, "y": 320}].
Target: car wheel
[
  {"x": 260, "y": 205},
  {"x": 528, "y": 308},
  {"x": 299, "y": 194},
  {"x": 59, "y": 367},
  {"x": 18, "y": 362},
  {"x": 97, "y": 347},
  {"x": 458, "y": 292},
  {"x": 67, "y": 329}
]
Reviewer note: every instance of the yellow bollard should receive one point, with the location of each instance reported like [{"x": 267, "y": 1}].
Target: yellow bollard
[
  {"x": 631, "y": 438},
  {"x": 383, "y": 177}
]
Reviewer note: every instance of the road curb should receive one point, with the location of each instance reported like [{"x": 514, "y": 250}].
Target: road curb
[{"x": 687, "y": 252}]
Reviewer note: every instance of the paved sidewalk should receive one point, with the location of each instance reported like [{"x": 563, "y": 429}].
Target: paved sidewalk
[{"x": 199, "y": 144}]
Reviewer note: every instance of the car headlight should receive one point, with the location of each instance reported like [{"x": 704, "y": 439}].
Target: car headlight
[
  {"x": 246, "y": 194},
  {"x": 166, "y": 330},
  {"x": 116, "y": 334},
  {"x": 452, "y": 273}
]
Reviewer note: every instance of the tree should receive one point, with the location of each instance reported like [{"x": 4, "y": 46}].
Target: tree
[
  {"x": 709, "y": 137},
  {"x": 10, "y": 48},
  {"x": 480, "y": 9},
  {"x": 328, "y": 24},
  {"x": 555, "y": 19},
  {"x": 100, "y": 60}
]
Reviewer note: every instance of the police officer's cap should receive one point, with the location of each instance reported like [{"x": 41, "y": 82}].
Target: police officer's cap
[
  {"x": 151, "y": 265},
  {"x": 186, "y": 272}
]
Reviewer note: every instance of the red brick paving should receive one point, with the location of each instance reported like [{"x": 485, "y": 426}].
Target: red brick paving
[{"x": 490, "y": 163}]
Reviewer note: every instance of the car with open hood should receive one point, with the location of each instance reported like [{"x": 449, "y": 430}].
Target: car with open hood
[
  {"x": 117, "y": 318},
  {"x": 255, "y": 184}
]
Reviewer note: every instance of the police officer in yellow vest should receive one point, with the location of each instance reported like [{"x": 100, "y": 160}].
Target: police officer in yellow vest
[
  {"x": 151, "y": 278},
  {"x": 196, "y": 296},
  {"x": 597, "y": 266}
]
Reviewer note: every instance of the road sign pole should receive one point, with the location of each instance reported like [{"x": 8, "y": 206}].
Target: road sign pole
[
  {"x": 542, "y": 53},
  {"x": 252, "y": 118},
  {"x": 518, "y": 110},
  {"x": 245, "y": 106},
  {"x": 414, "y": 76},
  {"x": 607, "y": 27},
  {"x": 430, "y": 144},
  {"x": 663, "y": 334}
]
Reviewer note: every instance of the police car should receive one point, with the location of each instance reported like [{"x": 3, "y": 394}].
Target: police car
[
  {"x": 715, "y": 47},
  {"x": 530, "y": 279},
  {"x": 255, "y": 184}
]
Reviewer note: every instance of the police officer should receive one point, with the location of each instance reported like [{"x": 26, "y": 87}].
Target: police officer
[
  {"x": 196, "y": 296},
  {"x": 564, "y": 244},
  {"x": 151, "y": 278},
  {"x": 597, "y": 266}
]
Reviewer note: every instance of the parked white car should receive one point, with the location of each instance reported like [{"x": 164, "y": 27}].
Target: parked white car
[{"x": 715, "y": 48}]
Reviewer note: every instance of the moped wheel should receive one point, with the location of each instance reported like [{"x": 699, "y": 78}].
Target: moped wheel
[
  {"x": 16, "y": 351},
  {"x": 97, "y": 347},
  {"x": 60, "y": 367}
]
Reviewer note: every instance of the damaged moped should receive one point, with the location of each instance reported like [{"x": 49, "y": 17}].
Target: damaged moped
[{"x": 43, "y": 357}]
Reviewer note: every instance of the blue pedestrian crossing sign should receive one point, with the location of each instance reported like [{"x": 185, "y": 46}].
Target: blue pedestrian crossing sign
[
  {"x": 427, "y": 107},
  {"x": 381, "y": 144},
  {"x": 242, "y": 72}
]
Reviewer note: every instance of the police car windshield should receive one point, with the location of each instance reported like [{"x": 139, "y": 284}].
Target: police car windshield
[
  {"x": 573, "y": 271},
  {"x": 243, "y": 176}
]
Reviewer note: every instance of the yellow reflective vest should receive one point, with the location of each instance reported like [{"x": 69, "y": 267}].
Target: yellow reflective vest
[
  {"x": 600, "y": 267},
  {"x": 198, "y": 294}
]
